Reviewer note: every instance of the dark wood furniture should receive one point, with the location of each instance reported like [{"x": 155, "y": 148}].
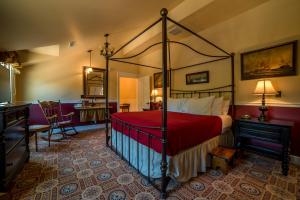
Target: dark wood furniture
[
  {"x": 14, "y": 139},
  {"x": 270, "y": 138}
]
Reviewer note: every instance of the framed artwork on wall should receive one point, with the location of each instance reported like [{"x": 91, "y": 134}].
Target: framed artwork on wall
[
  {"x": 196, "y": 78},
  {"x": 279, "y": 60},
  {"x": 157, "y": 79}
]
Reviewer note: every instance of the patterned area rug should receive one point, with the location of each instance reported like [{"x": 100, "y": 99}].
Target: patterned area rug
[{"x": 81, "y": 167}]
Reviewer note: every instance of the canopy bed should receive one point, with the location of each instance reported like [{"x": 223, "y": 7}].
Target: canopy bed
[{"x": 178, "y": 131}]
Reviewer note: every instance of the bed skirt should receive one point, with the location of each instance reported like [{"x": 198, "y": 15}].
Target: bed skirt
[{"x": 182, "y": 167}]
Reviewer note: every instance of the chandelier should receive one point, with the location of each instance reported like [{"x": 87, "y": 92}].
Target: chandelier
[{"x": 106, "y": 50}]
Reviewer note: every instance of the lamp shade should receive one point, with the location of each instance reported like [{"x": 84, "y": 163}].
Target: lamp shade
[
  {"x": 264, "y": 87},
  {"x": 156, "y": 92}
]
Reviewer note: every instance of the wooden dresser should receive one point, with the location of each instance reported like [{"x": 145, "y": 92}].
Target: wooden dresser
[
  {"x": 14, "y": 139},
  {"x": 270, "y": 138}
]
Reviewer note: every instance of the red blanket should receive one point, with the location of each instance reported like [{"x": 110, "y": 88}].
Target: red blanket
[{"x": 184, "y": 130}]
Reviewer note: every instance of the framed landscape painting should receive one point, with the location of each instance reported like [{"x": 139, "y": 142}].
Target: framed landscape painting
[
  {"x": 273, "y": 61},
  {"x": 196, "y": 78}
]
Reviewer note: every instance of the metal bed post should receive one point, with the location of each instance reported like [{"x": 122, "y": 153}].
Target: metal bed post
[
  {"x": 232, "y": 86},
  {"x": 170, "y": 73},
  {"x": 106, "y": 90},
  {"x": 164, "y": 182}
]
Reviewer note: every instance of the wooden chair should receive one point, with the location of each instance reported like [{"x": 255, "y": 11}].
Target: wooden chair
[
  {"x": 125, "y": 107},
  {"x": 56, "y": 119}
]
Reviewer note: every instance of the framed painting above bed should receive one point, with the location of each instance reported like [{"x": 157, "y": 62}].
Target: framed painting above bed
[
  {"x": 279, "y": 60},
  {"x": 196, "y": 78}
]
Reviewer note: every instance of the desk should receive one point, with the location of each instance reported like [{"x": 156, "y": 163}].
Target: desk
[{"x": 91, "y": 113}]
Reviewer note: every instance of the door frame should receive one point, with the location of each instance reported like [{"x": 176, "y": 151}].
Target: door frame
[{"x": 126, "y": 75}]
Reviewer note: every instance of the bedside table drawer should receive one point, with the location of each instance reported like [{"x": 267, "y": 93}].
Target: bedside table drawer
[
  {"x": 264, "y": 132},
  {"x": 267, "y": 128},
  {"x": 260, "y": 134}
]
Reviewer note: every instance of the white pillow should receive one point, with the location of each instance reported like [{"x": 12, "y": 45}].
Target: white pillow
[
  {"x": 200, "y": 106},
  {"x": 226, "y": 104},
  {"x": 177, "y": 105},
  {"x": 174, "y": 105},
  {"x": 182, "y": 107},
  {"x": 217, "y": 106}
]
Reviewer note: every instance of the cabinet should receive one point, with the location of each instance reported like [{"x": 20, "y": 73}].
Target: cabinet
[
  {"x": 271, "y": 138},
  {"x": 14, "y": 139}
]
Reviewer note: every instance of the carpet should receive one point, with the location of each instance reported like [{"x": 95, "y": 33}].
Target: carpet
[{"x": 81, "y": 167}]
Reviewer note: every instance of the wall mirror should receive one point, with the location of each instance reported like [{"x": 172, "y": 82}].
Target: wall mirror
[{"x": 93, "y": 82}]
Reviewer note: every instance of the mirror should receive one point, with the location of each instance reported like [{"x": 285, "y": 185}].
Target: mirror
[{"x": 93, "y": 82}]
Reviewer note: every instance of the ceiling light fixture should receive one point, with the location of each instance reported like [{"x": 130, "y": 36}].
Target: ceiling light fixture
[{"x": 106, "y": 50}]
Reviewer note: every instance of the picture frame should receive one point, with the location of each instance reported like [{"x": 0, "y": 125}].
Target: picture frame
[
  {"x": 157, "y": 79},
  {"x": 197, "y": 78},
  {"x": 274, "y": 61},
  {"x": 93, "y": 83}
]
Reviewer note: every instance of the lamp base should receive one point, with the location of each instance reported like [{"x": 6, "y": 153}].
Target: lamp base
[{"x": 262, "y": 116}]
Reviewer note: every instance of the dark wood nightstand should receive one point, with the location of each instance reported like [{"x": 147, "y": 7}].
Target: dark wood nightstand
[{"x": 270, "y": 138}]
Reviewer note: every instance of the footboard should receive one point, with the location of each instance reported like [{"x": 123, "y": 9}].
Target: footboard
[{"x": 125, "y": 141}]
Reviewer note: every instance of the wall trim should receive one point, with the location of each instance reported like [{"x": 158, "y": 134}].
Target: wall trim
[
  {"x": 70, "y": 101},
  {"x": 269, "y": 104},
  {"x": 295, "y": 160}
]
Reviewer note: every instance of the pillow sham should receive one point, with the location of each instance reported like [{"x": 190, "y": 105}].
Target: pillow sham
[
  {"x": 174, "y": 105},
  {"x": 217, "y": 106},
  {"x": 200, "y": 106}
]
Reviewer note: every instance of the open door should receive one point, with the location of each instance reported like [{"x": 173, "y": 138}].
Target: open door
[{"x": 143, "y": 92}]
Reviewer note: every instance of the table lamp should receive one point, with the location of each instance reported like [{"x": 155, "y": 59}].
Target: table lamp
[
  {"x": 154, "y": 94},
  {"x": 264, "y": 88}
]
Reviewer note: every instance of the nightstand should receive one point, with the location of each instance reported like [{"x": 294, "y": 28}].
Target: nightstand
[{"x": 270, "y": 138}]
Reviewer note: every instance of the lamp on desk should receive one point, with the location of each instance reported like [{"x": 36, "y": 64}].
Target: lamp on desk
[{"x": 264, "y": 87}]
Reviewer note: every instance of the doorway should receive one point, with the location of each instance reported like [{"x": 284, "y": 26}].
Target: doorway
[
  {"x": 128, "y": 93},
  {"x": 133, "y": 91}
]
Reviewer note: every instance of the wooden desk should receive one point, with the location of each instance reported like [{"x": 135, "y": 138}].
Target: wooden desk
[{"x": 92, "y": 113}]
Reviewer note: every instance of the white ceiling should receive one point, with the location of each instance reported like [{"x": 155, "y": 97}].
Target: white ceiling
[{"x": 28, "y": 24}]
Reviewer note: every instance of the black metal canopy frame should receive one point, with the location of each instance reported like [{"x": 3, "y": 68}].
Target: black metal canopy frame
[{"x": 166, "y": 57}]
